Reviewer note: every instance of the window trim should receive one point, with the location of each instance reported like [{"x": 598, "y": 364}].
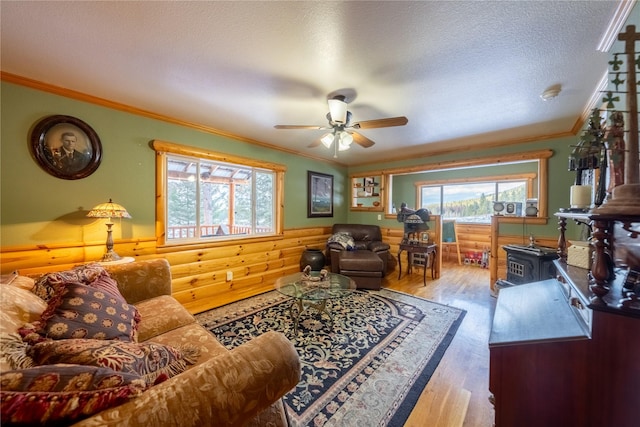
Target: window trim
[
  {"x": 528, "y": 177},
  {"x": 541, "y": 156},
  {"x": 162, "y": 148}
]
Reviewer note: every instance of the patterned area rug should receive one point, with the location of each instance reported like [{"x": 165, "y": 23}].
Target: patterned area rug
[{"x": 366, "y": 368}]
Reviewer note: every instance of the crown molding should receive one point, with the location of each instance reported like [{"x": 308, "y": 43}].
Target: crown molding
[{"x": 617, "y": 21}]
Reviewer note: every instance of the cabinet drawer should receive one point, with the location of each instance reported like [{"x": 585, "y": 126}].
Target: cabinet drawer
[{"x": 580, "y": 308}]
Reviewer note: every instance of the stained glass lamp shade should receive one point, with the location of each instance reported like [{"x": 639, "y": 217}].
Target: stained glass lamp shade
[{"x": 109, "y": 210}]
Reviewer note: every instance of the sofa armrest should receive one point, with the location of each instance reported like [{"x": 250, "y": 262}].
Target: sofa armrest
[
  {"x": 227, "y": 390},
  {"x": 159, "y": 315},
  {"x": 378, "y": 246}
]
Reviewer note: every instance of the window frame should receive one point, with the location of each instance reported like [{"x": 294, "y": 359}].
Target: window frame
[
  {"x": 163, "y": 149},
  {"x": 529, "y": 178},
  {"x": 539, "y": 156}
]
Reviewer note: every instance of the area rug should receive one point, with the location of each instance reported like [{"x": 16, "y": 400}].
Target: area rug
[{"x": 367, "y": 367}]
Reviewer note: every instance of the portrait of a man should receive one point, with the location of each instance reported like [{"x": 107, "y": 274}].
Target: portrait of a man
[
  {"x": 65, "y": 147},
  {"x": 68, "y": 150}
]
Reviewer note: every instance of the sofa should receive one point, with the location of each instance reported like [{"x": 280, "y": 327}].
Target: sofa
[
  {"x": 213, "y": 386},
  {"x": 357, "y": 251}
]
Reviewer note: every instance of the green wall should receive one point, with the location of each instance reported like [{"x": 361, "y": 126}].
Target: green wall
[{"x": 37, "y": 208}]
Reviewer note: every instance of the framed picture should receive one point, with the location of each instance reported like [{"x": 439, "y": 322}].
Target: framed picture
[
  {"x": 319, "y": 195},
  {"x": 66, "y": 147}
]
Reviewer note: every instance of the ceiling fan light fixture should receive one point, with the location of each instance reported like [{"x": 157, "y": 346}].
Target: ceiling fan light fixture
[
  {"x": 345, "y": 141},
  {"x": 327, "y": 139},
  {"x": 346, "y": 138},
  {"x": 338, "y": 110}
]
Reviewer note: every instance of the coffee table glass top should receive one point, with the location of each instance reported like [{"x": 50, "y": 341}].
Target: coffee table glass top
[{"x": 333, "y": 286}]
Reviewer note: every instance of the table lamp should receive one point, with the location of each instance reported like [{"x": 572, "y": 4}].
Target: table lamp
[{"x": 109, "y": 210}]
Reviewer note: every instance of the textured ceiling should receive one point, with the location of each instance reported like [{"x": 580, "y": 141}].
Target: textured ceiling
[{"x": 462, "y": 72}]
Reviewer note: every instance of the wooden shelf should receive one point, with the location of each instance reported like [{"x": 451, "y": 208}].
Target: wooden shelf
[{"x": 361, "y": 183}]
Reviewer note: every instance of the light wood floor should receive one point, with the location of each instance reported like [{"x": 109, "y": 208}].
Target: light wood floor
[{"x": 458, "y": 392}]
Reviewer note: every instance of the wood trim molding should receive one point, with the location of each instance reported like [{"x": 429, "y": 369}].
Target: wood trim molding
[
  {"x": 185, "y": 150},
  {"x": 510, "y": 177},
  {"x": 80, "y": 96},
  {"x": 617, "y": 21},
  {"x": 478, "y": 161}
]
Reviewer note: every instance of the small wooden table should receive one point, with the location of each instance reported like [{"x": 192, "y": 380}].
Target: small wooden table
[{"x": 430, "y": 252}]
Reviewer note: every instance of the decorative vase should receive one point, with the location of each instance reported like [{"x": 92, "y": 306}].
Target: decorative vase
[{"x": 312, "y": 257}]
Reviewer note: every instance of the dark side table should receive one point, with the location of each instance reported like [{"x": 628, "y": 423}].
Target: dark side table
[{"x": 429, "y": 250}]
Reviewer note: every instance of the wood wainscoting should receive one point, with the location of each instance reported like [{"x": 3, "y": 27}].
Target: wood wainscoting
[{"x": 198, "y": 272}]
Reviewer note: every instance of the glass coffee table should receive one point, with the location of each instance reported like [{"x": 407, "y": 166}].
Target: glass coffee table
[{"x": 313, "y": 291}]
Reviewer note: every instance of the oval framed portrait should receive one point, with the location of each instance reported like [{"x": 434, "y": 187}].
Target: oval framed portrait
[{"x": 66, "y": 147}]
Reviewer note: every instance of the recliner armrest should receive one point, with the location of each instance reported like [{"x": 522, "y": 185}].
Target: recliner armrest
[
  {"x": 335, "y": 246},
  {"x": 378, "y": 246}
]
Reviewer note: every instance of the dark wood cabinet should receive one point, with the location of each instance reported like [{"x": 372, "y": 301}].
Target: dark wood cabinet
[
  {"x": 563, "y": 351},
  {"x": 538, "y": 351}
]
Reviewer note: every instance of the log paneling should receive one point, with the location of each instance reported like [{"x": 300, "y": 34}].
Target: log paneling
[
  {"x": 473, "y": 237},
  {"x": 199, "y": 273}
]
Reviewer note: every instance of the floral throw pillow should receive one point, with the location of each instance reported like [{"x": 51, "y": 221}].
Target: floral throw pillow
[
  {"x": 48, "y": 286},
  {"x": 154, "y": 362},
  {"x": 81, "y": 311},
  {"x": 62, "y": 394}
]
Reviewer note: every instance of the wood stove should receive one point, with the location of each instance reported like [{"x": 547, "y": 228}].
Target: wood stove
[{"x": 526, "y": 264}]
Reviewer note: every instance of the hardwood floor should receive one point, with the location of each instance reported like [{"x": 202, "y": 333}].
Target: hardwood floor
[{"x": 458, "y": 392}]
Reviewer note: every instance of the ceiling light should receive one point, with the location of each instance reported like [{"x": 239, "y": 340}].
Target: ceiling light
[
  {"x": 551, "y": 92},
  {"x": 327, "y": 139},
  {"x": 338, "y": 110},
  {"x": 346, "y": 138},
  {"x": 345, "y": 141}
]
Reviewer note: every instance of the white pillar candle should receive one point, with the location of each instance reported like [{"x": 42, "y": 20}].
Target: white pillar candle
[{"x": 580, "y": 196}]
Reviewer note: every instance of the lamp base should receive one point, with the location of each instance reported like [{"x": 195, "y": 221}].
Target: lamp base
[
  {"x": 625, "y": 200},
  {"x": 109, "y": 256}
]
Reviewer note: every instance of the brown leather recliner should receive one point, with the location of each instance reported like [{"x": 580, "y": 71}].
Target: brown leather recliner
[{"x": 366, "y": 239}]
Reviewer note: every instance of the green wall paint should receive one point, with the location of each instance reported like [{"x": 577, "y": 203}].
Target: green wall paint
[{"x": 37, "y": 208}]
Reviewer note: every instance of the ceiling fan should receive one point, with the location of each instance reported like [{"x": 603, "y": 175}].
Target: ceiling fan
[{"x": 342, "y": 133}]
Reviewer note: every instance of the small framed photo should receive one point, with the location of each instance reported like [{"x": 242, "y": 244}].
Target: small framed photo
[
  {"x": 319, "y": 194},
  {"x": 65, "y": 147}
]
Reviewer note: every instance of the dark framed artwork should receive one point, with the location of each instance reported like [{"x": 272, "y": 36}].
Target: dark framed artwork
[
  {"x": 319, "y": 195},
  {"x": 66, "y": 147}
]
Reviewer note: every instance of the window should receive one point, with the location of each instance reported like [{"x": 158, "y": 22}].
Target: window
[
  {"x": 424, "y": 184},
  {"x": 208, "y": 197},
  {"x": 470, "y": 201}
]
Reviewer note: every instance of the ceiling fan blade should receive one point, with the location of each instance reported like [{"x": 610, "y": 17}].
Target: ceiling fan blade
[
  {"x": 362, "y": 140},
  {"x": 299, "y": 127},
  {"x": 315, "y": 143},
  {"x": 381, "y": 123}
]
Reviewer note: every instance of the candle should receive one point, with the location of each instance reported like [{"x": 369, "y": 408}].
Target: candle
[{"x": 580, "y": 196}]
